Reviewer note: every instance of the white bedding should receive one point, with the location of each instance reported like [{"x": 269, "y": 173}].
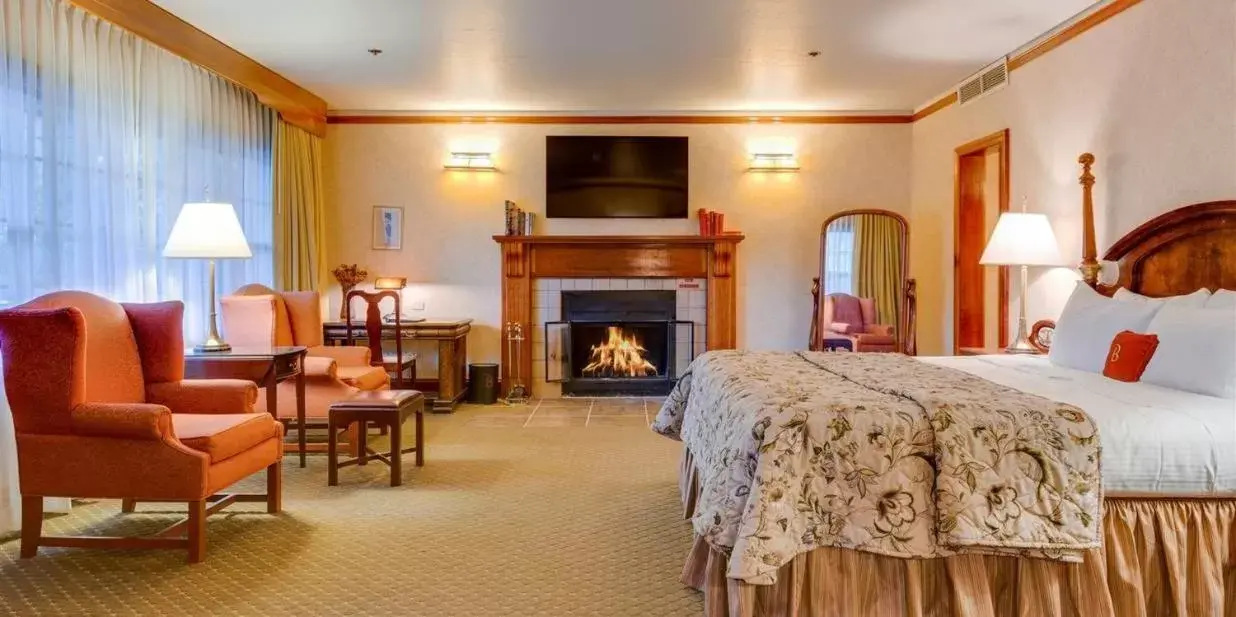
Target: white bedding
[{"x": 1154, "y": 439}]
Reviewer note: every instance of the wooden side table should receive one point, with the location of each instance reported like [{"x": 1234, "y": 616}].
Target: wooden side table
[
  {"x": 452, "y": 338},
  {"x": 267, "y": 367},
  {"x": 387, "y": 408}
]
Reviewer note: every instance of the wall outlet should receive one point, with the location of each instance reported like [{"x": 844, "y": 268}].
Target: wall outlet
[{"x": 418, "y": 305}]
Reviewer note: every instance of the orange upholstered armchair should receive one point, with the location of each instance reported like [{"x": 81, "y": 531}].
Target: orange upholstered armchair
[
  {"x": 855, "y": 322},
  {"x": 258, "y": 316},
  {"x": 102, "y": 411}
]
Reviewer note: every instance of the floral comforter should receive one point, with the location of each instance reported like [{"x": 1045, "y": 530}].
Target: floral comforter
[{"x": 879, "y": 453}]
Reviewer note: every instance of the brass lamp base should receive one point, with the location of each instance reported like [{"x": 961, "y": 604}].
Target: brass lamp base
[
  {"x": 1021, "y": 346},
  {"x": 212, "y": 344},
  {"x": 1021, "y": 342}
]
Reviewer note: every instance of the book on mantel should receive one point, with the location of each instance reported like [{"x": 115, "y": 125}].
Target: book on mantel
[{"x": 518, "y": 222}]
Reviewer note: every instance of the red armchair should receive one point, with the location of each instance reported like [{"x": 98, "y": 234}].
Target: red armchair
[
  {"x": 102, "y": 411},
  {"x": 258, "y": 316},
  {"x": 867, "y": 335}
]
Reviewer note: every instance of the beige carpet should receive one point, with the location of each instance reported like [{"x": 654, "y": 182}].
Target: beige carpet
[{"x": 514, "y": 514}]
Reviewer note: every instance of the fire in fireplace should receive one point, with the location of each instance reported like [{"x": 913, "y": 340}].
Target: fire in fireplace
[
  {"x": 619, "y": 355},
  {"x": 616, "y": 343}
]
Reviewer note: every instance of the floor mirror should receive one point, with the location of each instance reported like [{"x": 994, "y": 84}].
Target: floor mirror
[{"x": 863, "y": 297}]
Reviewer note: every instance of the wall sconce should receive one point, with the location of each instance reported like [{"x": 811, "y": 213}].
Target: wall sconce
[
  {"x": 471, "y": 161},
  {"x": 773, "y": 162},
  {"x": 390, "y": 282}
]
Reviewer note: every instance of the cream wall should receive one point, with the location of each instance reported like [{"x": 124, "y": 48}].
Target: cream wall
[
  {"x": 452, "y": 261},
  {"x": 1151, "y": 92}
]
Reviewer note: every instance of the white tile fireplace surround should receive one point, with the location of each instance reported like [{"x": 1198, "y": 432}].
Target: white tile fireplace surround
[{"x": 691, "y": 305}]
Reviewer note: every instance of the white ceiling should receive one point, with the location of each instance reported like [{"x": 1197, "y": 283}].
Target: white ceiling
[{"x": 641, "y": 56}]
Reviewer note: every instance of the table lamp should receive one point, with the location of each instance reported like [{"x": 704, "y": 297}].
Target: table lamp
[
  {"x": 1021, "y": 239},
  {"x": 208, "y": 231}
]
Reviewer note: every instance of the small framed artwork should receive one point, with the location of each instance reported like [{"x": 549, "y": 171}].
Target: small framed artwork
[{"x": 387, "y": 228}]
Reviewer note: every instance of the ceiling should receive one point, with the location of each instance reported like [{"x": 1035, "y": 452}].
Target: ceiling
[{"x": 633, "y": 56}]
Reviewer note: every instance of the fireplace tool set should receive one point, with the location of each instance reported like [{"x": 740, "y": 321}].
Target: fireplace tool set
[{"x": 517, "y": 393}]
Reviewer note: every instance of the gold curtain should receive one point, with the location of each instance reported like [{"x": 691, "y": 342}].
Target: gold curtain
[
  {"x": 300, "y": 225},
  {"x": 877, "y": 250}
]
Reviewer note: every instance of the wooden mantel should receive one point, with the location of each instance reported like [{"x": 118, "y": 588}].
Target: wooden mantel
[{"x": 525, "y": 258}]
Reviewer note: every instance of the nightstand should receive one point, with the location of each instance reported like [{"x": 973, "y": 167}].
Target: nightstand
[{"x": 984, "y": 351}]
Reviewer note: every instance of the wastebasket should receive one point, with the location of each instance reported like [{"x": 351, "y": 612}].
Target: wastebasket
[{"x": 483, "y": 384}]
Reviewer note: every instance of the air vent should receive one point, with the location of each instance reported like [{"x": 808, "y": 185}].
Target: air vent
[{"x": 985, "y": 81}]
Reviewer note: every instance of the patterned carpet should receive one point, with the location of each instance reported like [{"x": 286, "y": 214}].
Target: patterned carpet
[{"x": 575, "y": 515}]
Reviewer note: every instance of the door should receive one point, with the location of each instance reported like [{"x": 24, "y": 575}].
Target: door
[{"x": 980, "y": 293}]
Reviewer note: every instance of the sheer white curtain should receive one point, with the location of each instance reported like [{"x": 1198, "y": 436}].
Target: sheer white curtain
[
  {"x": 839, "y": 256},
  {"x": 103, "y": 137}
]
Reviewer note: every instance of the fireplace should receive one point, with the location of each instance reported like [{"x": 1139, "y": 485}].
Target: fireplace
[{"x": 617, "y": 343}]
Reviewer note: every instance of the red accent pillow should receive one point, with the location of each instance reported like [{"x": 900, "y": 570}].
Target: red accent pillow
[{"x": 1129, "y": 355}]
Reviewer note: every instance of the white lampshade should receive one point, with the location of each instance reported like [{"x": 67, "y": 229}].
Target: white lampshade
[
  {"x": 1022, "y": 239},
  {"x": 207, "y": 231}
]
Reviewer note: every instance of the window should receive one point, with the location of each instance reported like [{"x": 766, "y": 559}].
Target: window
[
  {"x": 96, "y": 159},
  {"x": 839, "y": 259}
]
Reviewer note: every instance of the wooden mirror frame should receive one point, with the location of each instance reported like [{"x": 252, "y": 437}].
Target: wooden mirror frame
[{"x": 905, "y": 321}]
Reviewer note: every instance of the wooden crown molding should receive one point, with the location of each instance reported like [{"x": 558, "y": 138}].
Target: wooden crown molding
[
  {"x": 631, "y": 119},
  {"x": 943, "y": 102},
  {"x": 149, "y": 21},
  {"x": 1056, "y": 39}
]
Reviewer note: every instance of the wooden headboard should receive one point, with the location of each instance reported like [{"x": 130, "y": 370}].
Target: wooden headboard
[{"x": 1172, "y": 254}]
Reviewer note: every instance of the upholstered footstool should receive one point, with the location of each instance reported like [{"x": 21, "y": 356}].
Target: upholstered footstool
[{"x": 383, "y": 408}]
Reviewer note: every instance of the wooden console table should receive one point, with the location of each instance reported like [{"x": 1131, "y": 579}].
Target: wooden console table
[{"x": 452, "y": 337}]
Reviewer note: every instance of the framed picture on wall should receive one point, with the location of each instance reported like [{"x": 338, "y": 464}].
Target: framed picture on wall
[{"x": 387, "y": 228}]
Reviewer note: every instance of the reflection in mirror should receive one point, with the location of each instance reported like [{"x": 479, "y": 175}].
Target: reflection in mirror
[{"x": 861, "y": 295}]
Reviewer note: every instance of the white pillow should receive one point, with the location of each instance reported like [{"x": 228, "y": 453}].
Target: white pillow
[
  {"x": 1196, "y": 299},
  {"x": 1197, "y": 350},
  {"x": 1088, "y": 324},
  {"x": 1224, "y": 298}
]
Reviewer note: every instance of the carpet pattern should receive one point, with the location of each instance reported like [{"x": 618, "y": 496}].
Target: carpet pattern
[{"x": 508, "y": 517}]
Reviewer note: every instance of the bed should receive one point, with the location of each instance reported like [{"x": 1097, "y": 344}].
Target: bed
[{"x": 785, "y": 524}]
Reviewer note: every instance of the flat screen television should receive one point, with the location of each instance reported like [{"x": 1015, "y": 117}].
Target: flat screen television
[{"x": 615, "y": 177}]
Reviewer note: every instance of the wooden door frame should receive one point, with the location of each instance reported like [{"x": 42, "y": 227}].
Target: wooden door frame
[{"x": 998, "y": 141}]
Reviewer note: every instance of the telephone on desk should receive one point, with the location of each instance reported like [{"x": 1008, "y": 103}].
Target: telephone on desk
[{"x": 389, "y": 318}]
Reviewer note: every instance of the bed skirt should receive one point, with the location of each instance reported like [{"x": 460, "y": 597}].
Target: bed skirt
[{"x": 1161, "y": 557}]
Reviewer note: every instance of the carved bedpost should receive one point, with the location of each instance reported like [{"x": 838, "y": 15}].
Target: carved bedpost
[{"x": 1090, "y": 263}]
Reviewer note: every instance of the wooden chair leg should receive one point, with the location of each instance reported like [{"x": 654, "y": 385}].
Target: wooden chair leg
[
  {"x": 128, "y": 506},
  {"x": 332, "y": 454},
  {"x": 353, "y": 440},
  {"x": 396, "y": 455},
  {"x": 197, "y": 531},
  {"x": 274, "y": 488},
  {"x": 362, "y": 446},
  {"x": 31, "y": 525},
  {"x": 420, "y": 439}
]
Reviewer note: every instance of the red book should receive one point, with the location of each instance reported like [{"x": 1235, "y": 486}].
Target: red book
[
  {"x": 703, "y": 216},
  {"x": 717, "y": 223}
]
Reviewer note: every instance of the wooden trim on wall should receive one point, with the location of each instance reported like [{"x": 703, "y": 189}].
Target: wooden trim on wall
[
  {"x": 1053, "y": 41},
  {"x": 1075, "y": 30},
  {"x": 149, "y": 21},
  {"x": 598, "y": 119},
  {"x": 943, "y": 102}
]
